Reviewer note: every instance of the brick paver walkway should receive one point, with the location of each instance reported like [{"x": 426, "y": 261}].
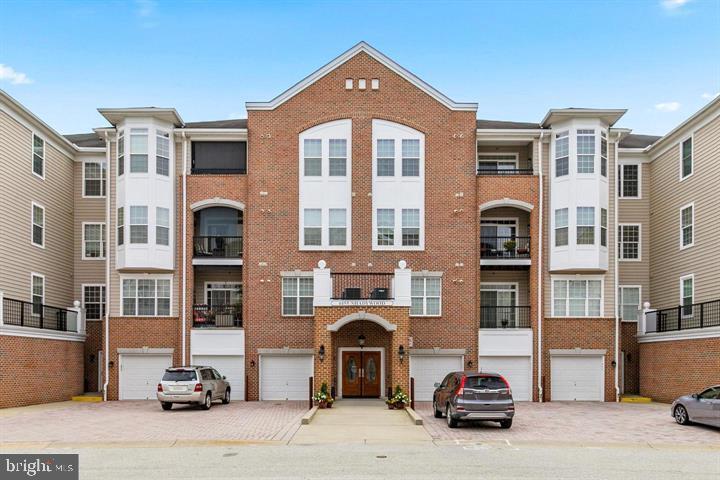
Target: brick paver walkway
[
  {"x": 145, "y": 421},
  {"x": 580, "y": 422}
]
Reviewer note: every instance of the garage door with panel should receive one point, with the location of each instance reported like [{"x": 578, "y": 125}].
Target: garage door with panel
[
  {"x": 285, "y": 377},
  {"x": 430, "y": 369},
  {"x": 230, "y": 366},
  {"x": 577, "y": 377},
  {"x": 516, "y": 370},
  {"x": 140, "y": 374}
]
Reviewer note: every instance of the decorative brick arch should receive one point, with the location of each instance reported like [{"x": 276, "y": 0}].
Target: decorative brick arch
[
  {"x": 507, "y": 202},
  {"x": 217, "y": 202},
  {"x": 334, "y": 327}
]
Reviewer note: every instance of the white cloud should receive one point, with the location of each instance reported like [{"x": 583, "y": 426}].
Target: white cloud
[
  {"x": 147, "y": 13},
  {"x": 667, "y": 106},
  {"x": 710, "y": 96},
  {"x": 9, "y": 74},
  {"x": 673, "y": 5}
]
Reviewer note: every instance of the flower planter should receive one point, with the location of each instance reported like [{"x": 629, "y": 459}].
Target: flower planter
[
  {"x": 322, "y": 404},
  {"x": 399, "y": 406}
]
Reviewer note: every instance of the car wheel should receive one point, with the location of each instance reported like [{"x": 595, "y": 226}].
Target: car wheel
[
  {"x": 437, "y": 413},
  {"x": 506, "y": 423},
  {"x": 226, "y": 398},
  {"x": 452, "y": 422},
  {"x": 681, "y": 415},
  {"x": 166, "y": 405},
  {"x": 208, "y": 402}
]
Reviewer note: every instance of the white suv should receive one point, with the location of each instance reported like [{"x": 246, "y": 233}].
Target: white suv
[{"x": 194, "y": 384}]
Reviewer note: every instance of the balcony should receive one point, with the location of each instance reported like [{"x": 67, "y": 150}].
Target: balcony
[
  {"x": 361, "y": 289},
  {"x": 36, "y": 315},
  {"x": 504, "y": 317},
  {"x": 218, "y": 247},
  {"x": 494, "y": 170},
  {"x": 505, "y": 250},
  {"x": 217, "y": 316},
  {"x": 218, "y": 236},
  {"x": 219, "y": 158},
  {"x": 362, "y": 286},
  {"x": 683, "y": 317}
]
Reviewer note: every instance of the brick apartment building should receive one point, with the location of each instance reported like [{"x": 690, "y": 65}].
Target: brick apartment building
[{"x": 360, "y": 228}]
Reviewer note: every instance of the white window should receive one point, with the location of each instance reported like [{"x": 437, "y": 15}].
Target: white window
[
  {"x": 629, "y": 181},
  {"x": 94, "y": 301},
  {"x": 629, "y": 303},
  {"x": 37, "y": 292},
  {"x": 312, "y": 161},
  {"x": 687, "y": 223},
  {"x": 162, "y": 226},
  {"x": 94, "y": 175},
  {"x": 577, "y": 298},
  {"x": 312, "y": 229},
  {"x": 348, "y": 84},
  {"x": 425, "y": 296},
  {"x": 686, "y": 158},
  {"x": 138, "y": 224},
  {"x": 386, "y": 226},
  {"x": 121, "y": 153},
  {"x": 629, "y": 242},
  {"x": 38, "y": 156},
  {"x": 338, "y": 157},
  {"x": 297, "y": 295},
  {"x": 562, "y": 154},
  {"x": 687, "y": 294},
  {"x": 385, "y": 158},
  {"x": 138, "y": 150},
  {"x": 93, "y": 241},
  {"x": 411, "y": 158},
  {"x": 410, "y": 227},
  {"x": 586, "y": 151},
  {"x": 375, "y": 83},
  {"x": 338, "y": 227},
  {"x": 38, "y": 225},
  {"x": 561, "y": 227},
  {"x": 603, "y": 227},
  {"x": 585, "y": 225},
  {"x": 146, "y": 297},
  {"x": 603, "y": 154},
  {"x": 120, "y": 226},
  {"x": 162, "y": 157}
]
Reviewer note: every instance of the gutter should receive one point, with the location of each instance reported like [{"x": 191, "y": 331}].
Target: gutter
[
  {"x": 108, "y": 183},
  {"x": 615, "y": 278},
  {"x": 184, "y": 248},
  {"x": 539, "y": 272}
]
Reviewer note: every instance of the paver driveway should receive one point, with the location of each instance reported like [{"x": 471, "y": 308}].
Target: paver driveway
[
  {"x": 145, "y": 421},
  {"x": 579, "y": 423}
]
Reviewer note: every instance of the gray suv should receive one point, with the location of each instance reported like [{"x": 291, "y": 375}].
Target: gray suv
[
  {"x": 474, "y": 396},
  {"x": 194, "y": 384}
]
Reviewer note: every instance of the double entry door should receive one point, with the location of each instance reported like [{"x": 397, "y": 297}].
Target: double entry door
[{"x": 361, "y": 371}]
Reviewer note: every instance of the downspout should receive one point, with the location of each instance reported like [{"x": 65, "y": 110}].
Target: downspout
[
  {"x": 615, "y": 278},
  {"x": 184, "y": 247},
  {"x": 108, "y": 183},
  {"x": 539, "y": 271}
]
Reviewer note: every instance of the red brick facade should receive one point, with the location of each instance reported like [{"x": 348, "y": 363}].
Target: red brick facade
[
  {"x": 93, "y": 344},
  {"x": 631, "y": 349}
]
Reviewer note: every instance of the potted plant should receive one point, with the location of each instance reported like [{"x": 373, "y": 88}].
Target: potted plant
[
  {"x": 399, "y": 400},
  {"x": 322, "y": 398},
  {"x": 510, "y": 245}
]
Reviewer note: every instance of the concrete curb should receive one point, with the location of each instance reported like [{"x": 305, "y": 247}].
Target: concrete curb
[
  {"x": 417, "y": 419},
  {"x": 307, "y": 418}
]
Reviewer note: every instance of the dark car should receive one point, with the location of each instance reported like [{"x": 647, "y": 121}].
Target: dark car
[{"x": 474, "y": 396}]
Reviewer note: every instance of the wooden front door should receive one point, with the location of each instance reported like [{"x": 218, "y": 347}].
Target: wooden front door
[{"x": 361, "y": 374}]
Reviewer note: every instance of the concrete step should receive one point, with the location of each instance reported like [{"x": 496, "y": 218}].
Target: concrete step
[
  {"x": 635, "y": 399},
  {"x": 88, "y": 397}
]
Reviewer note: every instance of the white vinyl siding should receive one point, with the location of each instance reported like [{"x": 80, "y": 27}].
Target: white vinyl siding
[
  {"x": 145, "y": 297},
  {"x": 425, "y": 295},
  {"x": 93, "y": 241},
  {"x": 297, "y": 296}
]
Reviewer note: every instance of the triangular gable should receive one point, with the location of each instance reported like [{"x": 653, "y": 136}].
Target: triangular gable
[{"x": 360, "y": 47}]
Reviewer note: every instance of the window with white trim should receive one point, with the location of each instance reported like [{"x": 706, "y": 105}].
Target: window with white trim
[
  {"x": 629, "y": 303},
  {"x": 586, "y": 151},
  {"x": 425, "y": 296},
  {"x": 162, "y": 156},
  {"x": 38, "y": 225},
  {"x": 686, "y": 158},
  {"x": 687, "y": 223},
  {"x": 629, "y": 181},
  {"x": 94, "y": 301},
  {"x": 38, "y": 157},
  {"x": 338, "y": 157},
  {"x": 687, "y": 294},
  {"x": 138, "y": 224},
  {"x": 162, "y": 226},
  {"x": 93, "y": 241},
  {"x": 629, "y": 242},
  {"x": 337, "y": 231},
  {"x": 121, "y": 153},
  {"x": 603, "y": 154},
  {"x": 603, "y": 227},
  {"x": 312, "y": 228},
  {"x": 410, "y": 227},
  {"x": 94, "y": 179},
  {"x": 146, "y": 297},
  {"x": 411, "y": 157},
  {"x": 37, "y": 290},
  {"x": 138, "y": 150},
  {"x": 120, "y": 226},
  {"x": 386, "y": 226},
  {"x": 312, "y": 160},
  {"x": 585, "y": 225},
  {"x": 561, "y": 227},
  {"x": 386, "y": 158},
  {"x": 297, "y": 296},
  {"x": 577, "y": 298},
  {"x": 562, "y": 154}
]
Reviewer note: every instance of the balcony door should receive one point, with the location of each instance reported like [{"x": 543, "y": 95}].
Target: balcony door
[
  {"x": 494, "y": 233},
  {"x": 497, "y": 305},
  {"x": 223, "y": 294}
]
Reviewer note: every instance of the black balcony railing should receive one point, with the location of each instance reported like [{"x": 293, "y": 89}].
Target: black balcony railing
[
  {"x": 504, "y": 247},
  {"x": 504, "y": 317},
  {"x": 35, "y": 315},
  {"x": 490, "y": 170},
  {"x": 219, "y": 171},
  {"x": 362, "y": 286},
  {"x": 219, "y": 247},
  {"x": 684, "y": 317},
  {"x": 218, "y": 316}
]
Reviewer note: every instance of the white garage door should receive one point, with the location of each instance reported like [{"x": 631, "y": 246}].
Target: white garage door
[
  {"x": 577, "y": 377},
  {"x": 231, "y": 366},
  {"x": 430, "y": 369},
  {"x": 140, "y": 375},
  {"x": 516, "y": 371},
  {"x": 285, "y": 377}
]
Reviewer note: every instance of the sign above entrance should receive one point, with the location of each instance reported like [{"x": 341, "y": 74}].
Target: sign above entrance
[{"x": 361, "y": 303}]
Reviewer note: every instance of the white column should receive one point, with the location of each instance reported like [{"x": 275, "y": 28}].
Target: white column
[
  {"x": 647, "y": 320},
  {"x": 2, "y": 302},
  {"x": 401, "y": 286},
  {"x": 322, "y": 285},
  {"x": 76, "y": 322}
]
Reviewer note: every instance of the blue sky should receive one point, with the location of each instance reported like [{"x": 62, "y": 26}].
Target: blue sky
[{"x": 660, "y": 59}]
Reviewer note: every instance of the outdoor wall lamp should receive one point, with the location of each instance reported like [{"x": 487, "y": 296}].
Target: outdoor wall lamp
[
  {"x": 613, "y": 363},
  {"x": 401, "y": 353},
  {"x": 469, "y": 363},
  {"x": 361, "y": 340},
  {"x": 321, "y": 352},
  {"x": 252, "y": 363}
]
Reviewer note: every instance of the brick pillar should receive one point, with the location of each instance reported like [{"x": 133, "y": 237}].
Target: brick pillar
[
  {"x": 323, "y": 369},
  {"x": 400, "y": 371}
]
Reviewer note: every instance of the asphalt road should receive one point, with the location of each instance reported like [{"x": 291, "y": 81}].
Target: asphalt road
[{"x": 425, "y": 461}]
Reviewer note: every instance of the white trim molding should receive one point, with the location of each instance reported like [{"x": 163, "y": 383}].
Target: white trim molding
[
  {"x": 507, "y": 202},
  {"x": 577, "y": 351},
  {"x": 390, "y": 327},
  {"x": 217, "y": 202},
  {"x": 361, "y": 349},
  {"x": 690, "y": 334},
  {"x": 30, "y": 332}
]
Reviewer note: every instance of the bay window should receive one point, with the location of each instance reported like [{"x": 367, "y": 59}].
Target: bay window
[
  {"x": 585, "y": 225},
  {"x": 138, "y": 150}
]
